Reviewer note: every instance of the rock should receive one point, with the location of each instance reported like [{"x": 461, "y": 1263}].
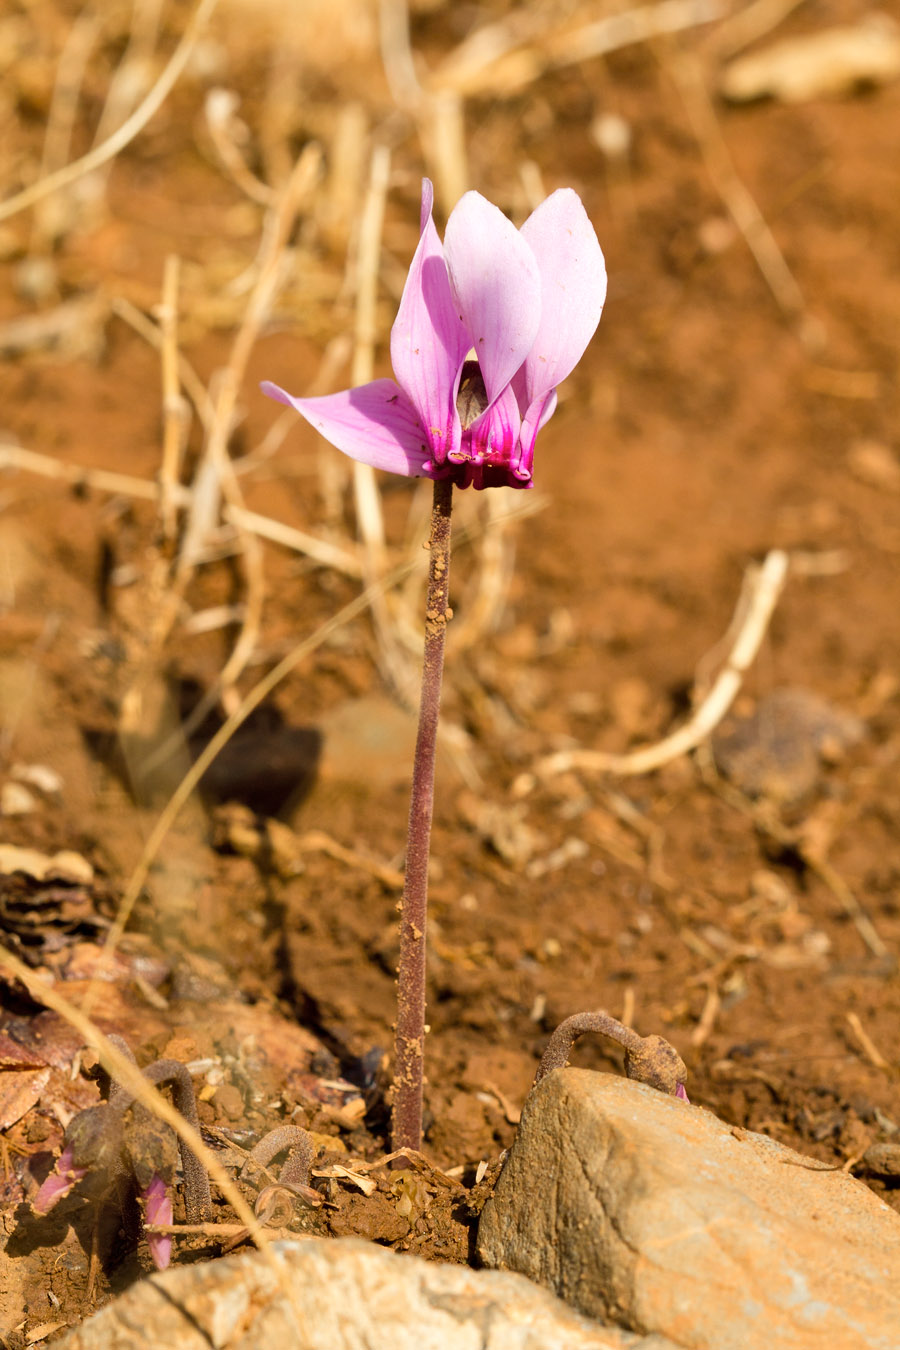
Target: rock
[
  {"x": 641, "y": 1210},
  {"x": 350, "y": 1294}
]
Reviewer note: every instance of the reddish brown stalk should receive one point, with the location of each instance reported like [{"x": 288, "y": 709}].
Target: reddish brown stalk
[{"x": 409, "y": 1044}]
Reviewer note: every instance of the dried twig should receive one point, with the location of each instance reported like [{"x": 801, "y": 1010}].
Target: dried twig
[
  {"x": 108, "y": 149},
  {"x": 70, "y": 70},
  {"x": 392, "y": 660},
  {"x": 174, "y": 420},
  {"x": 512, "y": 53},
  {"x": 868, "y": 1046},
  {"x": 739, "y": 202},
  {"x": 120, "y": 1067},
  {"x": 189, "y": 783},
  {"x": 759, "y": 595}
]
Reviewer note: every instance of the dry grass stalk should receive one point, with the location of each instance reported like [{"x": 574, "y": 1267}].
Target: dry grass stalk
[
  {"x": 320, "y": 551},
  {"x": 174, "y": 418},
  {"x": 123, "y": 1071},
  {"x": 391, "y": 659},
  {"x": 70, "y": 69},
  {"x": 74, "y": 328},
  {"x": 317, "y": 841},
  {"x": 114, "y": 144},
  {"x": 868, "y": 1046},
  {"x": 284, "y": 213},
  {"x": 220, "y": 109},
  {"x": 191, "y": 779},
  {"x": 152, "y": 333},
  {"x": 397, "y": 53},
  {"x": 188, "y": 785},
  {"x": 759, "y": 596},
  {"x": 748, "y": 25},
  {"x": 509, "y": 55},
  {"x": 738, "y": 200}
]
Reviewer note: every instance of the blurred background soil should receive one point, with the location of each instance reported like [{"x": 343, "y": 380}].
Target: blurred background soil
[{"x": 741, "y": 395}]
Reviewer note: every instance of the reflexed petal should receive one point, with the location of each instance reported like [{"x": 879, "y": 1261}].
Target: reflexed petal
[
  {"x": 573, "y": 281},
  {"x": 375, "y": 424},
  {"x": 496, "y": 280},
  {"x": 61, "y": 1181},
  {"x": 428, "y": 340}
]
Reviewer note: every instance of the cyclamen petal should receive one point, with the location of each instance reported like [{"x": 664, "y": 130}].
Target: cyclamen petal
[
  {"x": 496, "y": 280},
  {"x": 429, "y": 341},
  {"x": 158, "y": 1209},
  {"x": 573, "y": 290},
  {"x": 60, "y": 1183},
  {"x": 374, "y": 423}
]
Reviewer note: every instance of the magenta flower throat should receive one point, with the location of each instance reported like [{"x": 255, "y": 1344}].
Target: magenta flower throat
[{"x": 490, "y": 322}]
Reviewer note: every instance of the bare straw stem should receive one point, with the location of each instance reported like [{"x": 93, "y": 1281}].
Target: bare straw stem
[
  {"x": 410, "y": 1035},
  {"x": 108, "y": 149}
]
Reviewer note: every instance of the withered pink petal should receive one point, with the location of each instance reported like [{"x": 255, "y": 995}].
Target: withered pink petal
[
  {"x": 158, "y": 1209},
  {"x": 374, "y": 423},
  {"x": 60, "y": 1183},
  {"x": 497, "y": 284},
  {"x": 681, "y": 1092},
  {"x": 573, "y": 290},
  {"x": 429, "y": 340}
]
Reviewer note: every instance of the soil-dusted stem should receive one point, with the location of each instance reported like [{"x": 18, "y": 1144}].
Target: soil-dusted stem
[{"x": 409, "y": 1044}]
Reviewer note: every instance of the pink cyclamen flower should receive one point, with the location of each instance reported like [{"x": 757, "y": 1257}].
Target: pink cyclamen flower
[
  {"x": 158, "y": 1209},
  {"x": 60, "y": 1183},
  {"x": 490, "y": 322}
]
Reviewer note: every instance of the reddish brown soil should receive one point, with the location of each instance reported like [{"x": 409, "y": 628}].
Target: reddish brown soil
[{"x": 698, "y": 433}]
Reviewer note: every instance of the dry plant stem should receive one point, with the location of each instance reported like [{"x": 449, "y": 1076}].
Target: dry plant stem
[
  {"x": 119, "y": 1066},
  {"x": 648, "y": 1059},
  {"x": 174, "y": 421},
  {"x": 409, "y": 1043},
  {"x": 101, "y": 154},
  {"x": 126, "y": 485},
  {"x": 741, "y": 206}
]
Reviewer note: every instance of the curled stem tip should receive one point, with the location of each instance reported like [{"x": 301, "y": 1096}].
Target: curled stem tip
[{"x": 648, "y": 1059}]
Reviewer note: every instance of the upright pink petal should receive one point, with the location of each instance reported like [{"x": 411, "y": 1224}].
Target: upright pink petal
[
  {"x": 158, "y": 1209},
  {"x": 496, "y": 280},
  {"x": 429, "y": 340},
  {"x": 61, "y": 1181},
  {"x": 573, "y": 289},
  {"x": 374, "y": 423}
]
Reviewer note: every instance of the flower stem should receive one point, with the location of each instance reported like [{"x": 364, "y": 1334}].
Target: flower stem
[{"x": 409, "y": 1045}]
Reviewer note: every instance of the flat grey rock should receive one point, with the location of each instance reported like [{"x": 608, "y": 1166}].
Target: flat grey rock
[
  {"x": 648, "y": 1213},
  {"x": 350, "y": 1295}
]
